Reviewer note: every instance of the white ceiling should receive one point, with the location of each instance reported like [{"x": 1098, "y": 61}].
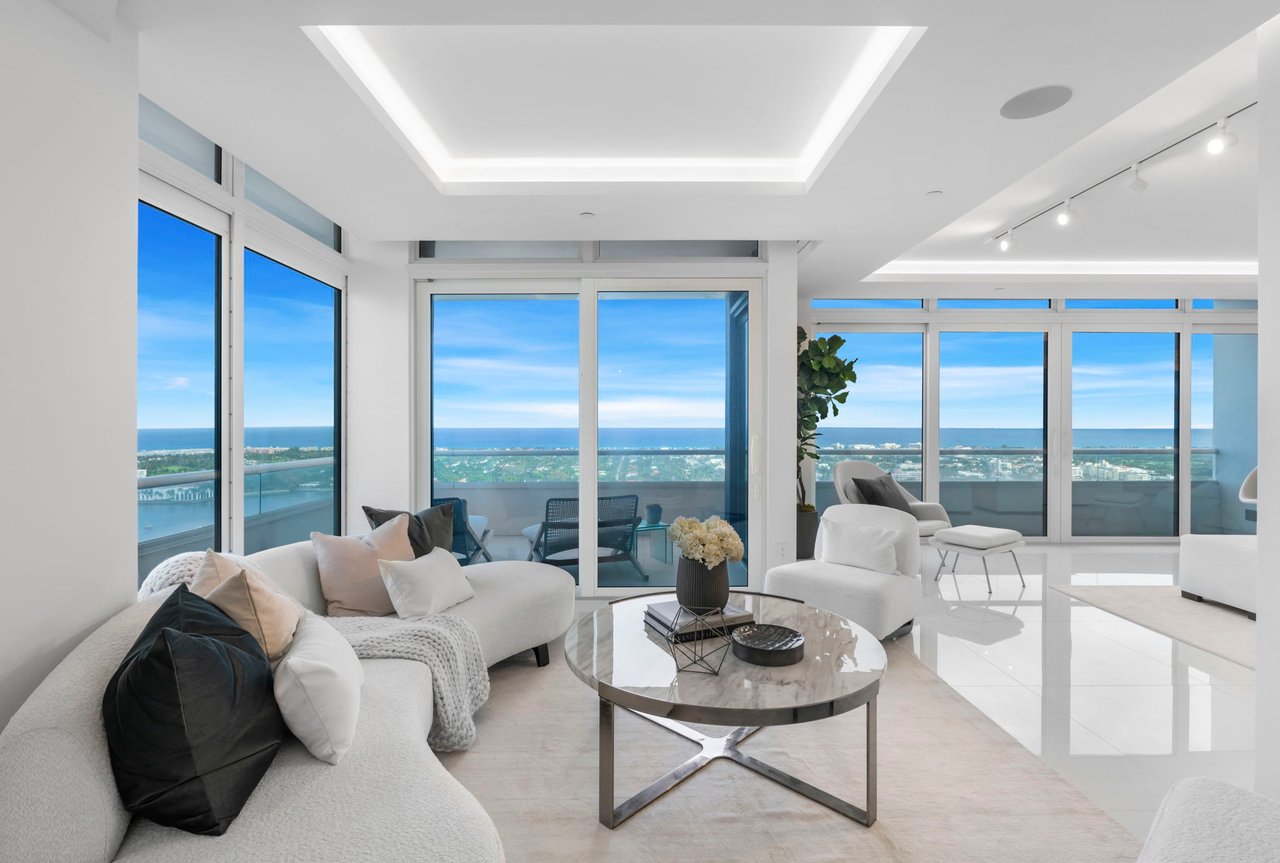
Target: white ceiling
[
  {"x": 1197, "y": 207},
  {"x": 582, "y": 107},
  {"x": 245, "y": 74},
  {"x": 609, "y": 91}
]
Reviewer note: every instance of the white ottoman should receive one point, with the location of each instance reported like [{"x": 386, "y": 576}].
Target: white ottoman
[{"x": 977, "y": 540}]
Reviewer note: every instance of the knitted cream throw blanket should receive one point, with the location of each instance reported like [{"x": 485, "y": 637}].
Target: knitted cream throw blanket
[{"x": 450, "y": 647}]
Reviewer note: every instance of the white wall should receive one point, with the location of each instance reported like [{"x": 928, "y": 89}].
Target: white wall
[
  {"x": 380, "y": 394},
  {"x": 1267, "y": 775},
  {"x": 68, "y": 346},
  {"x": 781, "y": 298}
]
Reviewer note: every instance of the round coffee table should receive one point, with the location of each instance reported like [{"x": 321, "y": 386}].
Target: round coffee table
[{"x": 630, "y": 667}]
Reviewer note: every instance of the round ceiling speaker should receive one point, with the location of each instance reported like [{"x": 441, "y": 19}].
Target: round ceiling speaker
[{"x": 1036, "y": 102}]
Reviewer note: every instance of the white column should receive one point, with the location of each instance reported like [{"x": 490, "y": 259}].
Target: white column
[
  {"x": 379, "y": 433},
  {"x": 781, "y": 296},
  {"x": 1267, "y": 776}
]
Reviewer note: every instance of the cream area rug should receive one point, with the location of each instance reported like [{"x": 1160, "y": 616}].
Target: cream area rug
[
  {"x": 1212, "y": 628},
  {"x": 953, "y": 785}
]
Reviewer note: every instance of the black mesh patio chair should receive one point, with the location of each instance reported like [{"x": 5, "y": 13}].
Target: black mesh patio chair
[
  {"x": 469, "y": 532},
  {"x": 555, "y": 539}
]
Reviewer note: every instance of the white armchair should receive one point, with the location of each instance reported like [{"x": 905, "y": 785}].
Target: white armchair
[
  {"x": 932, "y": 517},
  {"x": 883, "y": 602}
]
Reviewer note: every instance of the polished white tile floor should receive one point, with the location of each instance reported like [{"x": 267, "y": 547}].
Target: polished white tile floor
[{"x": 1118, "y": 710}]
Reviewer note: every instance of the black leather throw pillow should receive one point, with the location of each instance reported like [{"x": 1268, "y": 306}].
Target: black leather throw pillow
[
  {"x": 882, "y": 491},
  {"x": 191, "y": 717},
  {"x": 427, "y": 529}
]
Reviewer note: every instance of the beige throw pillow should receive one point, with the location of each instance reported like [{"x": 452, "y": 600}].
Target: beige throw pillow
[
  {"x": 349, "y": 574},
  {"x": 250, "y": 599}
]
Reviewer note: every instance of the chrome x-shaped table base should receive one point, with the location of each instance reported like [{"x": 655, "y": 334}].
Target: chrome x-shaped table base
[{"x": 721, "y": 747}]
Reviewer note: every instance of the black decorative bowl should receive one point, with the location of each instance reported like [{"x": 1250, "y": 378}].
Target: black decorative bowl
[{"x": 767, "y": 644}]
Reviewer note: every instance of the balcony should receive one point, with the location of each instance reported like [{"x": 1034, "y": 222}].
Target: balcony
[
  {"x": 283, "y": 502},
  {"x": 510, "y": 488},
  {"x": 1115, "y": 491},
  {"x": 1120, "y": 488}
]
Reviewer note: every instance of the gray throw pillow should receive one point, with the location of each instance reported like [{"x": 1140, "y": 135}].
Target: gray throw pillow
[
  {"x": 882, "y": 491},
  {"x": 427, "y": 529}
]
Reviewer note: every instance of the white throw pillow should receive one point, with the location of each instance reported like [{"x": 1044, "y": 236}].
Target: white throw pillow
[
  {"x": 428, "y": 585},
  {"x": 860, "y": 545},
  {"x": 317, "y": 686}
]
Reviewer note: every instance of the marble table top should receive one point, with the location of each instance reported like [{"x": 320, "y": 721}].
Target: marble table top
[{"x": 614, "y": 653}]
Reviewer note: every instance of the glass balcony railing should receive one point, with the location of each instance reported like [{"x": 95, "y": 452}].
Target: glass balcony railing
[
  {"x": 283, "y": 502},
  {"x": 475, "y": 467},
  {"x": 1005, "y": 487}
]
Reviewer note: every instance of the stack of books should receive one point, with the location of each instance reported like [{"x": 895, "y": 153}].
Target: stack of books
[{"x": 659, "y": 617}]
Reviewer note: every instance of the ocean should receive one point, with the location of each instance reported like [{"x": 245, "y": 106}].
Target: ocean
[
  {"x": 675, "y": 438},
  {"x": 167, "y": 440},
  {"x": 713, "y": 438}
]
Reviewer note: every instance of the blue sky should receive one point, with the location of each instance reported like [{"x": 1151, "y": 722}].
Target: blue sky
[
  {"x": 513, "y": 361},
  {"x": 996, "y": 380},
  {"x": 289, "y": 335},
  {"x": 177, "y": 290}
]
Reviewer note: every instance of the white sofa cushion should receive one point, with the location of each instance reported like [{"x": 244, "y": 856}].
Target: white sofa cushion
[
  {"x": 907, "y": 547},
  {"x": 880, "y": 602},
  {"x": 57, "y": 791},
  {"x": 518, "y": 605},
  {"x": 317, "y": 686},
  {"x": 428, "y": 585},
  {"x": 977, "y": 536},
  {"x": 388, "y": 799},
  {"x": 1204, "y": 820},
  {"x": 852, "y": 544}
]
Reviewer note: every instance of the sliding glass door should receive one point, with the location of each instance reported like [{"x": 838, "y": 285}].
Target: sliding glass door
[
  {"x": 575, "y": 420},
  {"x": 883, "y": 420},
  {"x": 1124, "y": 431},
  {"x": 672, "y": 414},
  {"x": 992, "y": 392},
  {"x": 504, "y": 409}
]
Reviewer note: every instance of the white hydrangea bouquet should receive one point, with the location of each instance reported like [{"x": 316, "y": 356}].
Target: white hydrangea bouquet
[{"x": 709, "y": 542}]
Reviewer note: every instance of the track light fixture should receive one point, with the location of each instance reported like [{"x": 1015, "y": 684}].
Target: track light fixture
[
  {"x": 1136, "y": 182},
  {"x": 1223, "y": 139},
  {"x": 1064, "y": 214}
]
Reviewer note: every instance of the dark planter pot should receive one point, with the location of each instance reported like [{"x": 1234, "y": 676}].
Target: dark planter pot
[
  {"x": 701, "y": 589},
  {"x": 806, "y": 533},
  {"x": 653, "y": 513}
]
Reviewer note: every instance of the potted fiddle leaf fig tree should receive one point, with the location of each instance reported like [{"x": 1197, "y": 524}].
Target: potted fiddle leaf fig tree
[{"x": 822, "y": 385}]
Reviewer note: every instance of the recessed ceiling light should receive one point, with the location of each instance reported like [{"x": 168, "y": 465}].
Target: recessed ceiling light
[
  {"x": 587, "y": 214},
  {"x": 933, "y": 193},
  {"x": 1036, "y": 102}
]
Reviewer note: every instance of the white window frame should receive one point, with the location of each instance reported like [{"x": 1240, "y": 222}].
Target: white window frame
[
  {"x": 167, "y": 183},
  {"x": 1061, "y": 324},
  {"x": 587, "y": 282}
]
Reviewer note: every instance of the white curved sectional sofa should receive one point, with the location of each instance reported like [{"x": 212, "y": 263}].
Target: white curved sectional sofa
[{"x": 388, "y": 799}]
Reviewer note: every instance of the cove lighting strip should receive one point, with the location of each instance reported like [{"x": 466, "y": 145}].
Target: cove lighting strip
[
  {"x": 350, "y": 52},
  {"x": 1064, "y": 268}
]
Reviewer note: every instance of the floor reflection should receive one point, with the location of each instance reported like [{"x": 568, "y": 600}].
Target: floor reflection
[{"x": 1117, "y": 709}]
